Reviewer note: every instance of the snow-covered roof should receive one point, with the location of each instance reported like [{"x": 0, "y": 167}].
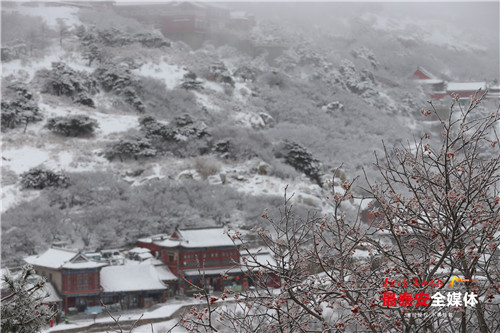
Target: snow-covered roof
[
  {"x": 425, "y": 72},
  {"x": 49, "y": 289},
  {"x": 52, "y": 258},
  {"x": 193, "y": 238},
  {"x": 430, "y": 81},
  {"x": 164, "y": 273},
  {"x": 211, "y": 271},
  {"x": 83, "y": 265},
  {"x": 130, "y": 277},
  {"x": 258, "y": 257},
  {"x": 466, "y": 86},
  {"x": 144, "y": 256},
  {"x": 137, "y": 250},
  {"x": 57, "y": 258}
]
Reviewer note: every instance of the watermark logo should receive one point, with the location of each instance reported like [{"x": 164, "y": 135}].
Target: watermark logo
[
  {"x": 421, "y": 299},
  {"x": 458, "y": 279}
]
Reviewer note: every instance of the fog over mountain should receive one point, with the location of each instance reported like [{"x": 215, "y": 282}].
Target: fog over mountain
[{"x": 223, "y": 119}]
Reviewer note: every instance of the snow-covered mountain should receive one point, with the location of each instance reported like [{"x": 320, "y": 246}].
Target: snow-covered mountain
[{"x": 220, "y": 130}]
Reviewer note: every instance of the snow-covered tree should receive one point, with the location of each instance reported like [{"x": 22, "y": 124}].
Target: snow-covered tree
[
  {"x": 21, "y": 110},
  {"x": 40, "y": 178},
  {"x": 191, "y": 82},
  {"x": 132, "y": 147},
  {"x": 63, "y": 30},
  {"x": 436, "y": 219},
  {"x": 119, "y": 79},
  {"x": 23, "y": 310},
  {"x": 152, "y": 128},
  {"x": 91, "y": 48},
  {"x": 78, "y": 125},
  {"x": 302, "y": 160},
  {"x": 62, "y": 80}
]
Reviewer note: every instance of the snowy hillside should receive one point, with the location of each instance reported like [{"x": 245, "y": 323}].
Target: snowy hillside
[{"x": 190, "y": 135}]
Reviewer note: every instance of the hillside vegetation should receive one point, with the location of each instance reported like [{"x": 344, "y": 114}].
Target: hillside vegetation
[{"x": 112, "y": 131}]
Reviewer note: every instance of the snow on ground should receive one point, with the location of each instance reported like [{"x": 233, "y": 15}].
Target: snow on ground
[
  {"x": 112, "y": 123},
  {"x": 26, "y": 69},
  {"x": 49, "y": 13},
  {"x": 165, "y": 310},
  {"x": 24, "y": 158},
  {"x": 213, "y": 86},
  {"x": 172, "y": 75},
  {"x": 238, "y": 177},
  {"x": 13, "y": 195},
  {"x": 249, "y": 120},
  {"x": 241, "y": 92},
  {"x": 205, "y": 101},
  {"x": 108, "y": 123}
]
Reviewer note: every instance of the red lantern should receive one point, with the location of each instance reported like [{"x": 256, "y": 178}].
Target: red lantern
[{"x": 237, "y": 278}]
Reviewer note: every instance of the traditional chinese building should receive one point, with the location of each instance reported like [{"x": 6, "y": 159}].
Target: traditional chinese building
[
  {"x": 493, "y": 92},
  {"x": 435, "y": 86},
  {"x": 133, "y": 285},
  {"x": 465, "y": 90},
  {"x": 192, "y": 254},
  {"x": 178, "y": 19},
  {"x": 74, "y": 276}
]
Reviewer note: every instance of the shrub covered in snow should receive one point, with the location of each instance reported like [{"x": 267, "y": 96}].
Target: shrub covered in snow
[
  {"x": 223, "y": 148},
  {"x": 246, "y": 73},
  {"x": 132, "y": 147},
  {"x": 120, "y": 80},
  {"x": 367, "y": 54},
  {"x": 275, "y": 79},
  {"x": 39, "y": 178},
  {"x": 191, "y": 82},
  {"x": 79, "y": 125},
  {"x": 183, "y": 128},
  {"x": 358, "y": 82},
  {"x": 89, "y": 40},
  {"x": 298, "y": 157},
  {"x": 219, "y": 73},
  {"x": 206, "y": 166},
  {"x": 118, "y": 38},
  {"x": 62, "y": 80},
  {"x": 152, "y": 128},
  {"x": 333, "y": 107},
  {"x": 22, "y": 109}
]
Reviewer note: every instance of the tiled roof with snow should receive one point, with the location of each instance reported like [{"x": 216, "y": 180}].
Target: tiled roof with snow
[
  {"x": 164, "y": 273},
  {"x": 49, "y": 290},
  {"x": 194, "y": 238},
  {"x": 466, "y": 86},
  {"x": 57, "y": 258},
  {"x": 130, "y": 277},
  {"x": 52, "y": 258},
  {"x": 430, "y": 81},
  {"x": 83, "y": 265},
  {"x": 203, "y": 237},
  {"x": 426, "y": 72},
  {"x": 256, "y": 258},
  {"x": 137, "y": 250}
]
